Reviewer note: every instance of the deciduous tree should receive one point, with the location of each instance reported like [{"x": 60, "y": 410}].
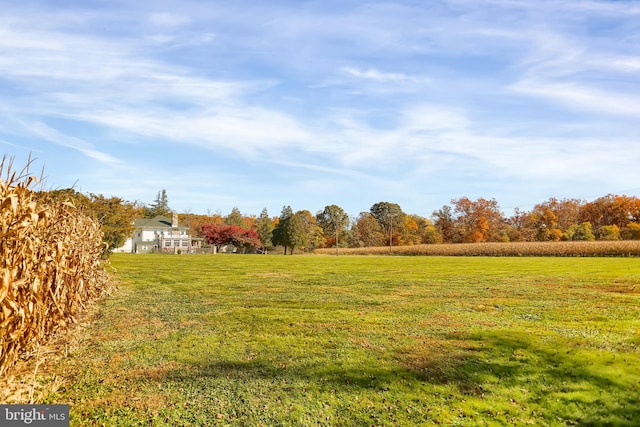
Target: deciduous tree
[
  {"x": 116, "y": 217},
  {"x": 609, "y": 232},
  {"x": 579, "y": 232},
  {"x": 114, "y": 214},
  {"x": 444, "y": 221},
  {"x": 195, "y": 222},
  {"x": 214, "y": 234},
  {"x": 611, "y": 210},
  {"x": 333, "y": 220},
  {"x": 632, "y": 231},
  {"x": 389, "y": 216},
  {"x": 520, "y": 227},
  {"x": 241, "y": 237},
  {"x": 296, "y": 232},
  {"x": 366, "y": 231},
  {"x": 551, "y": 219},
  {"x": 312, "y": 230},
  {"x": 223, "y": 234},
  {"x": 480, "y": 220}
]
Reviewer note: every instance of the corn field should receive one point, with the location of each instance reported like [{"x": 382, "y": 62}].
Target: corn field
[
  {"x": 50, "y": 265},
  {"x": 575, "y": 248}
]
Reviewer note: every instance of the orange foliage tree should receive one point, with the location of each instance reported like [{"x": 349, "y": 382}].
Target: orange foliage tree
[
  {"x": 551, "y": 220},
  {"x": 366, "y": 231},
  {"x": 611, "y": 210},
  {"x": 479, "y": 221}
]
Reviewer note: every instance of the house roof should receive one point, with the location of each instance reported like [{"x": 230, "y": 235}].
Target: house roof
[
  {"x": 147, "y": 242},
  {"x": 159, "y": 221}
]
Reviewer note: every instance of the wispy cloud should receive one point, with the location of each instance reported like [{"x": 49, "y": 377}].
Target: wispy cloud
[
  {"x": 114, "y": 88},
  {"x": 13, "y": 145},
  {"x": 626, "y": 64},
  {"x": 373, "y": 74},
  {"x": 67, "y": 141},
  {"x": 396, "y": 93},
  {"x": 583, "y": 98},
  {"x": 166, "y": 19}
]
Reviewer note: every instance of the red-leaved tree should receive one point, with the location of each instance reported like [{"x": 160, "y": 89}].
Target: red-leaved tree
[
  {"x": 213, "y": 234},
  {"x": 222, "y": 234}
]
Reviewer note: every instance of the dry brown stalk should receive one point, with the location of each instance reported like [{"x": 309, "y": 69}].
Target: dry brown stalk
[
  {"x": 50, "y": 264},
  {"x": 597, "y": 248}
]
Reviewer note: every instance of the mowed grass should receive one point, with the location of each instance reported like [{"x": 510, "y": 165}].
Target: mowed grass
[{"x": 321, "y": 340}]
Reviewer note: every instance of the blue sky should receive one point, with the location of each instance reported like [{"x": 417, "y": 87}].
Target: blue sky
[{"x": 255, "y": 104}]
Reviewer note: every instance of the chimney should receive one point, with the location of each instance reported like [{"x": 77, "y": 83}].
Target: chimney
[{"x": 174, "y": 220}]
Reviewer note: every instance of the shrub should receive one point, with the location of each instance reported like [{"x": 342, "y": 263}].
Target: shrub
[
  {"x": 580, "y": 232},
  {"x": 609, "y": 232},
  {"x": 632, "y": 231}
]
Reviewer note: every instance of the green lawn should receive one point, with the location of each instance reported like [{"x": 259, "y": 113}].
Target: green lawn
[{"x": 322, "y": 340}]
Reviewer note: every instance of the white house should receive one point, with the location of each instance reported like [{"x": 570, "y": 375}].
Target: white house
[{"x": 159, "y": 234}]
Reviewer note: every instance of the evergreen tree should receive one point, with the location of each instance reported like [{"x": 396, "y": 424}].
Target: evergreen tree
[
  {"x": 280, "y": 235},
  {"x": 264, "y": 227},
  {"x": 235, "y": 218},
  {"x": 160, "y": 206}
]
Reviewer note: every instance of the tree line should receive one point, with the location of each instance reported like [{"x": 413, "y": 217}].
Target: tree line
[{"x": 612, "y": 217}]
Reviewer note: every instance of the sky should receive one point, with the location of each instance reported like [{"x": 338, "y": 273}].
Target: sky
[{"x": 265, "y": 103}]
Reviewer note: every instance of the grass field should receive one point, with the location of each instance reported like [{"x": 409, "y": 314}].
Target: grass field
[{"x": 319, "y": 340}]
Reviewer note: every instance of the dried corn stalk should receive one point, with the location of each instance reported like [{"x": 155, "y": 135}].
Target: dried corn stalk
[
  {"x": 50, "y": 264},
  {"x": 621, "y": 248}
]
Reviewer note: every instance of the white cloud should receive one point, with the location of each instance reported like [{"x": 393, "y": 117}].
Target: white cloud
[
  {"x": 165, "y": 19},
  {"x": 161, "y": 39},
  {"x": 579, "y": 97},
  {"x": 625, "y": 64},
  {"x": 430, "y": 118},
  {"x": 373, "y": 74},
  {"x": 552, "y": 8},
  {"x": 177, "y": 41},
  {"x": 164, "y": 77},
  {"x": 114, "y": 88}
]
